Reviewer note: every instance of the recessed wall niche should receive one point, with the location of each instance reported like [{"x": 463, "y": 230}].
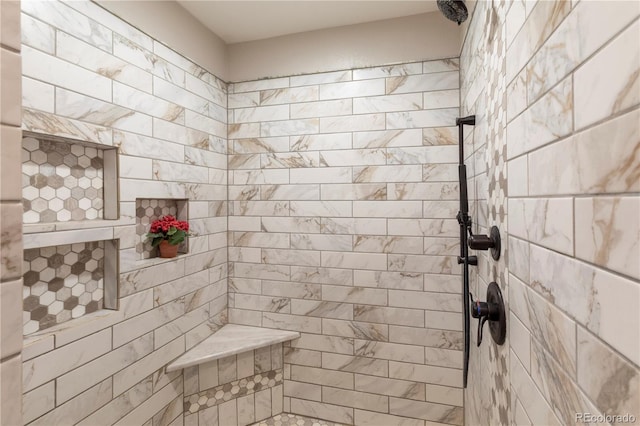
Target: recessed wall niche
[
  {"x": 148, "y": 210},
  {"x": 67, "y": 281},
  {"x": 65, "y": 180}
]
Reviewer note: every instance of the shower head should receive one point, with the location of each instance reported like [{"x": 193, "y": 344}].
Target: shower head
[{"x": 454, "y": 10}]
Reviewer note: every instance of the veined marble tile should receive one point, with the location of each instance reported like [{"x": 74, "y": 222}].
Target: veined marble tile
[
  {"x": 261, "y": 113},
  {"x": 352, "y": 89},
  {"x": 321, "y": 108},
  {"x": 265, "y": 272},
  {"x": 61, "y": 16},
  {"x": 548, "y": 222},
  {"x": 137, "y": 326},
  {"x": 545, "y": 121},
  {"x": 598, "y": 302},
  {"x": 40, "y": 66},
  {"x": 520, "y": 340},
  {"x": 322, "y": 309},
  {"x": 321, "y": 242},
  {"x": 395, "y": 209},
  {"x": 261, "y": 145},
  {"x": 352, "y": 123},
  {"x": 80, "y": 406},
  {"x": 442, "y": 246},
  {"x": 384, "y": 244},
  {"x": 393, "y": 173},
  {"x": 266, "y": 84},
  {"x": 355, "y": 157},
  {"x": 261, "y": 208},
  {"x": 205, "y": 124},
  {"x": 427, "y": 410},
  {"x": 388, "y": 103},
  {"x": 439, "y": 136},
  {"x": 563, "y": 51},
  {"x": 355, "y": 364},
  {"x": 321, "y": 78},
  {"x": 203, "y": 157},
  {"x": 291, "y": 224},
  {"x": 391, "y": 280},
  {"x": 291, "y": 322},
  {"x": 424, "y": 300},
  {"x": 243, "y": 161},
  {"x": 263, "y": 303},
  {"x": 443, "y": 339},
  {"x": 112, "y": 22},
  {"x": 392, "y": 316},
  {"x": 602, "y": 90},
  {"x": 307, "y": 391},
  {"x": 38, "y": 401},
  {"x": 346, "y": 294},
  {"x": 608, "y": 234},
  {"x": 138, "y": 145},
  {"x": 425, "y": 373},
  {"x": 288, "y": 95},
  {"x": 334, "y": 413},
  {"x": 290, "y": 127},
  {"x": 439, "y": 172},
  {"x": 160, "y": 399},
  {"x": 540, "y": 23},
  {"x": 517, "y": 95},
  {"x": 323, "y": 377},
  {"x": 422, "y": 83},
  {"x": 519, "y": 258},
  {"x": 534, "y": 403},
  {"x": 377, "y": 191},
  {"x": 288, "y": 160},
  {"x": 173, "y": 172},
  {"x": 356, "y": 399},
  {"x": 426, "y": 118},
  {"x": 558, "y": 168},
  {"x": 612, "y": 385},
  {"x": 243, "y": 100},
  {"x": 247, "y": 130},
  {"x": 174, "y": 93},
  {"x": 388, "y": 71},
  {"x": 86, "y": 109},
  {"x": 261, "y": 177},
  {"x": 557, "y": 386},
  {"x": 148, "y": 61},
  {"x": 210, "y": 92},
  {"x": 291, "y": 289},
  {"x": 101, "y": 62},
  {"x": 350, "y": 330},
  {"x": 291, "y": 257},
  {"x": 422, "y": 263},
  {"x": 81, "y": 378},
  {"x": 44, "y": 368},
  {"x": 353, "y": 226},
  {"x": 37, "y": 34},
  {"x": 244, "y": 254},
  {"x": 321, "y": 142},
  {"x": 422, "y": 191},
  {"x": 37, "y": 95},
  {"x": 441, "y": 99},
  {"x": 321, "y": 208},
  {"x": 371, "y": 261},
  {"x": 441, "y": 65},
  {"x": 425, "y": 227},
  {"x": 136, "y": 100},
  {"x": 441, "y": 283},
  {"x": 390, "y": 387},
  {"x": 11, "y": 248},
  {"x": 443, "y": 357},
  {"x": 387, "y": 138},
  {"x": 389, "y": 351}
]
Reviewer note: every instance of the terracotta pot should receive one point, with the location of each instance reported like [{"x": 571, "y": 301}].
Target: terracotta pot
[{"x": 167, "y": 250}]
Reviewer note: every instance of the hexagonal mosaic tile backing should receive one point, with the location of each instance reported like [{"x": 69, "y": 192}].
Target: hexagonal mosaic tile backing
[
  {"x": 148, "y": 210},
  {"x": 61, "y": 283},
  {"x": 228, "y": 391},
  {"x": 61, "y": 181},
  {"x": 288, "y": 419}
]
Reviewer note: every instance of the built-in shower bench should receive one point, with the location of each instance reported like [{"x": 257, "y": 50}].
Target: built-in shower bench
[{"x": 231, "y": 339}]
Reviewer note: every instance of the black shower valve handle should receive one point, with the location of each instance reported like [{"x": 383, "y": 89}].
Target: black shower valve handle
[
  {"x": 486, "y": 242},
  {"x": 483, "y": 312}
]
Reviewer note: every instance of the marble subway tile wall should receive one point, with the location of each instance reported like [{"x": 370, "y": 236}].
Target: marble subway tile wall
[
  {"x": 89, "y": 76},
  {"x": 342, "y": 198},
  {"x": 572, "y": 280},
  {"x": 10, "y": 215}
]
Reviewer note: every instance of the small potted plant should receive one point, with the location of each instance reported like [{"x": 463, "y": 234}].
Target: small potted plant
[{"x": 167, "y": 233}]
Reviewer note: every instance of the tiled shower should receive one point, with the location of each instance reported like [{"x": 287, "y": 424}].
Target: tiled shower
[{"x": 322, "y": 203}]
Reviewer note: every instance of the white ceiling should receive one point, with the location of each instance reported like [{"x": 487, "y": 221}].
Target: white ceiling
[{"x": 238, "y": 21}]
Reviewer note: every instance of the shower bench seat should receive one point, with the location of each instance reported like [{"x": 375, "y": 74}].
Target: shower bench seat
[{"x": 231, "y": 339}]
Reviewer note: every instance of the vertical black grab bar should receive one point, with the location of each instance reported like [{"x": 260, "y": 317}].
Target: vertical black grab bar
[{"x": 465, "y": 225}]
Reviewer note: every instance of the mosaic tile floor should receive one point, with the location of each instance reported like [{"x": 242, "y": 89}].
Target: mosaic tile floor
[{"x": 286, "y": 419}]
